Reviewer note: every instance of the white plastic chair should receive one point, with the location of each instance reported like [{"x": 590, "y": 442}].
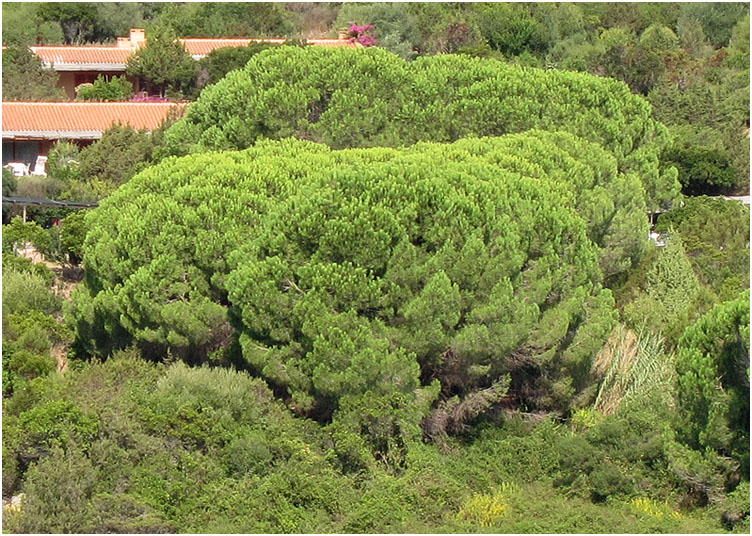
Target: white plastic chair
[
  {"x": 19, "y": 169},
  {"x": 40, "y": 165}
]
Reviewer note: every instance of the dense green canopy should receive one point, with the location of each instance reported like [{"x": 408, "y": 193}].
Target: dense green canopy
[
  {"x": 369, "y": 97},
  {"x": 367, "y": 272},
  {"x": 713, "y": 381}
]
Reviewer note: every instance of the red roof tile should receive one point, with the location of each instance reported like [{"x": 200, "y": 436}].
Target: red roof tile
[
  {"x": 76, "y": 58},
  {"x": 59, "y": 57},
  {"x": 79, "y": 119},
  {"x": 199, "y": 46}
]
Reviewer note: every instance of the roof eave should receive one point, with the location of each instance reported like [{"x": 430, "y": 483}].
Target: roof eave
[
  {"x": 73, "y": 67},
  {"x": 52, "y": 135}
]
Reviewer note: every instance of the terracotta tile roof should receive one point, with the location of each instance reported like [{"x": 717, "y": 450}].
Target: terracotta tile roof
[
  {"x": 83, "y": 58},
  {"x": 199, "y": 46},
  {"x": 114, "y": 58},
  {"x": 79, "y": 120}
]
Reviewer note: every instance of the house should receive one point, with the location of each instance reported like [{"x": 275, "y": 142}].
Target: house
[
  {"x": 78, "y": 65},
  {"x": 30, "y": 129},
  {"x": 82, "y": 64}
]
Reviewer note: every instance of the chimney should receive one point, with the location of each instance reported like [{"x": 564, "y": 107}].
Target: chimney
[
  {"x": 138, "y": 37},
  {"x": 124, "y": 42},
  {"x": 343, "y": 34}
]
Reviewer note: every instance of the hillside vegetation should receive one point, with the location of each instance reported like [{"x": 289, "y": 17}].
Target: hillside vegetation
[{"x": 376, "y": 291}]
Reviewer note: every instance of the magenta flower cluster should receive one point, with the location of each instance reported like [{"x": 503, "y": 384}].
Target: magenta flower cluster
[{"x": 358, "y": 35}]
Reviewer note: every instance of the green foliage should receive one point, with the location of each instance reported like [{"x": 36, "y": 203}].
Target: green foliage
[
  {"x": 17, "y": 233},
  {"x": 58, "y": 490},
  {"x": 115, "y": 89},
  {"x": 163, "y": 63},
  {"x": 636, "y": 62},
  {"x": 365, "y": 97},
  {"x": 119, "y": 154},
  {"x": 225, "y": 19},
  {"x": 63, "y": 163},
  {"x": 717, "y": 19},
  {"x": 369, "y": 269},
  {"x": 20, "y": 25},
  {"x": 739, "y": 45},
  {"x": 10, "y": 183},
  {"x": 691, "y": 36},
  {"x": 450, "y": 291},
  {"x": 76, "y": 20},
  {"x": 396, "y": 25},
  {"x": 40, "y": 187},
  {"x": 23, "y": 292},
  {"x": 25, "y": 79},
  {"x": 719, "y": 252},
  {"x": 221, "y": 61},
  {"x": 22, "y": 264},
  {"x": 705, "y": 102},
  {"x": 51, "y": 425},
  {"x": 9, "y": 189},
  {"x": 671, "y": 280},
  {"x": 666, "y": 296},
  {"x": 72, "y": 235},
  {"x": 713, "y": 372},
  {"x": 658, "y": 38},
  {"x": 702, "y": 171},
  {"x": 736, "y": 509},
  {"x": 261, "y": 470},
  {"x": 510, "y": 29}
]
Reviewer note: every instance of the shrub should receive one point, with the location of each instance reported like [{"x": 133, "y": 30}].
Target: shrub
[
  {"x": 221, "y": 61},
  {"x": 713, "y": 381},
  {"x": 57, "y": 496},
  {"x": 15, "y": 263},
  {"x": 719, "y": 252},
  {"x": 63, "y": 161},
  {"x": 24, "y": 292},
  {"x": 17, "y": 233},
  {"x": 113, "y": 90},
  {"x": 702, "y": 170},
  {"x": 119, "y": 154}
]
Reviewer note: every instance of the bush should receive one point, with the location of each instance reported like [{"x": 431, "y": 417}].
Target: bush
[
  {"x": 17, "y": 233},
  {"x": 119, "y": 154},
  {"x": 72, "y": 235},
  {"x": 221, "y": 61},
  {"x": 719, "y": 253},
  {"x": 63, "y": 163},
  {"x": 702, "y": 170},
  {"x": 713, "y": 379},
  {"x": 15, "y": 263},
  {"x": 57, "y": 498},
  {"x": 24, "y": 292},
  {"x": 113, "y": 90}
]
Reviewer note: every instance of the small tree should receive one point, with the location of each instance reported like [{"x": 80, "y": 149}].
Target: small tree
[
  {"x": 63, "y": 162},
  {"x": 26, "y": 79},
  {"x": 702, "y": 170},
  {"x": 713, "y": 381},
  {"x": 117, "y": 156},
  {"x": 671, "y": 280},
  {"x": 219, "y": 62},
  {"x": 9, "y": 188},
  {"x": 164, "y": 63},
  {"x": 76, "y": 19}
]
